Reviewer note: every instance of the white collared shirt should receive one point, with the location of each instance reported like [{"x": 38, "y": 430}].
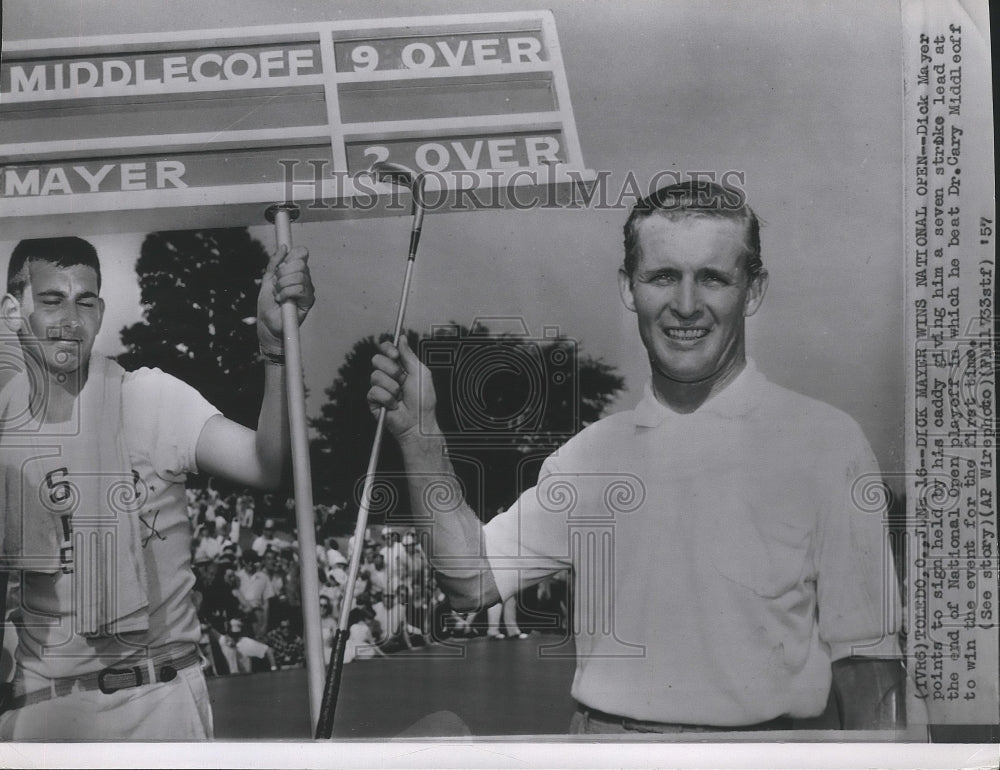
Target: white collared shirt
[{"x": 722, "y": 559}]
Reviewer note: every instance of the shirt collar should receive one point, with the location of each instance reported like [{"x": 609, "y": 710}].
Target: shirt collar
[{"x": 736, "y": 399}]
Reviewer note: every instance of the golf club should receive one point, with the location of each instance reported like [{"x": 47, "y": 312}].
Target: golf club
[{"x": 403, "y": 177}]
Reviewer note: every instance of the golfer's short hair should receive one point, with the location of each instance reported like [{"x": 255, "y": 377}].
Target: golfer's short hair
[
  {"x": 61, "y": 252},
  {"x": 696, "y": 199}
]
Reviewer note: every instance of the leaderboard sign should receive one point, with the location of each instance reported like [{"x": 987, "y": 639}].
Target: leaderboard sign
[{"x": 206, "y": 128}]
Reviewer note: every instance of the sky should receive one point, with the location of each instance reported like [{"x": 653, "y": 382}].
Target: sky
[{"x": 803, "y": 99}]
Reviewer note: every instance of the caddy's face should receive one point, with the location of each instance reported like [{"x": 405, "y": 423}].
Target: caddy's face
[
  {"x": 63, "y": 313},
  {"x": 691, "y": 293}
]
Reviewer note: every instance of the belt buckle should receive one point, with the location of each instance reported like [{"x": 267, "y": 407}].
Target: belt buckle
[{"x": 106, "y": 688}]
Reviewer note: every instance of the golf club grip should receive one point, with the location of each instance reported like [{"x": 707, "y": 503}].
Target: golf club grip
[
  {"x": 328, "y": 708},
  {"x": 414, "y": 242}
]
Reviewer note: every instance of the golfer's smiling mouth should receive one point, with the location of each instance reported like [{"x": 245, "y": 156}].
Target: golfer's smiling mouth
[{"x": 686, "y": 333}]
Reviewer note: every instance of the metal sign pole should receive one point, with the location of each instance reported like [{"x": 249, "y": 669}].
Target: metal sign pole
[{"x": 282, "y": 215}]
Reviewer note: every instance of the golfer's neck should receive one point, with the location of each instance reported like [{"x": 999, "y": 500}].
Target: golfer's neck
[
  {"x": 686, "y": 397},
  {"x": 56, "y": 404}
]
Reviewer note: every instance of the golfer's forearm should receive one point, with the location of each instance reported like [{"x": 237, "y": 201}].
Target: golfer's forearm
[
  {"x": 457, "y": 551},
  {"x": 272, "y": 444}
]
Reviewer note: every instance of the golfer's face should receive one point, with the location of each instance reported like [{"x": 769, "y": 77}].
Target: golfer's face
[
  {"x": 691, "y": 294},
  {"x": 63, "y": 313}
]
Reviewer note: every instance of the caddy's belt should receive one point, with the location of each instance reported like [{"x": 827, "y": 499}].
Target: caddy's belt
[{"x": 161, "y": 668}]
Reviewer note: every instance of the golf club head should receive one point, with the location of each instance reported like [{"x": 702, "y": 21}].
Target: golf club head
[{"x": 398, "y": 174}]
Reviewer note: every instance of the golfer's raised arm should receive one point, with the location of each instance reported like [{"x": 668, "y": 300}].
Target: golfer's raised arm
[
  {"x": 402, "y": 385},
  {"x": 230, "y": 450}
]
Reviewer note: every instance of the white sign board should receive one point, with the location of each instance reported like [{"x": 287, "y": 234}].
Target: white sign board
[{"x": 207, "y": 128}]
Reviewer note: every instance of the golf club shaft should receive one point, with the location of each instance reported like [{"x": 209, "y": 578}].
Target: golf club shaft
[{"x": 331, "y": 692}]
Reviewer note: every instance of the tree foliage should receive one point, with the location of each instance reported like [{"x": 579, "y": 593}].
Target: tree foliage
[
  {"x": 504, "y": 403},
  {"x": 199, "y": 294}
]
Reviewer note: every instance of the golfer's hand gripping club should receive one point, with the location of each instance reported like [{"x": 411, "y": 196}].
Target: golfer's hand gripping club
[{"x": 402, "y": 385}]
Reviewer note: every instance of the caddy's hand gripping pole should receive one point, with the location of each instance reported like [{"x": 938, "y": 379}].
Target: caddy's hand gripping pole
[
  {"x": 282, "y": 215},
  {"x": 402, "y": 176}
]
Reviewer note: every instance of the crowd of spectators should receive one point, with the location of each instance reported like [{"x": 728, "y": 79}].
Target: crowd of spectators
[
  {"x": 246, "y": 584},
  {"x": 248, "y": 588}
]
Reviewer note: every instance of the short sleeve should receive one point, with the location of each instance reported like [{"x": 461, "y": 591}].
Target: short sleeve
[
  {"x": 530, "y": 540},
  {"x": 857, "y": 590},
  {"x": 164, "y": 418}
]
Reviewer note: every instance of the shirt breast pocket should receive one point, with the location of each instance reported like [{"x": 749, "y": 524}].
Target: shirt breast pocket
[{"x": 761, "y": 553}]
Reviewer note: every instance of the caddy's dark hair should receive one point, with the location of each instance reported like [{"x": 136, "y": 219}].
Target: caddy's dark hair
[
  {"x": 61, "y": 252},
  {"x": 696, "y": 199}
]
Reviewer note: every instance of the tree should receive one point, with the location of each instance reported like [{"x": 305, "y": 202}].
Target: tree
[
  {"x": 504, "y": 403},
  {"x": 199, "y": 291}
]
